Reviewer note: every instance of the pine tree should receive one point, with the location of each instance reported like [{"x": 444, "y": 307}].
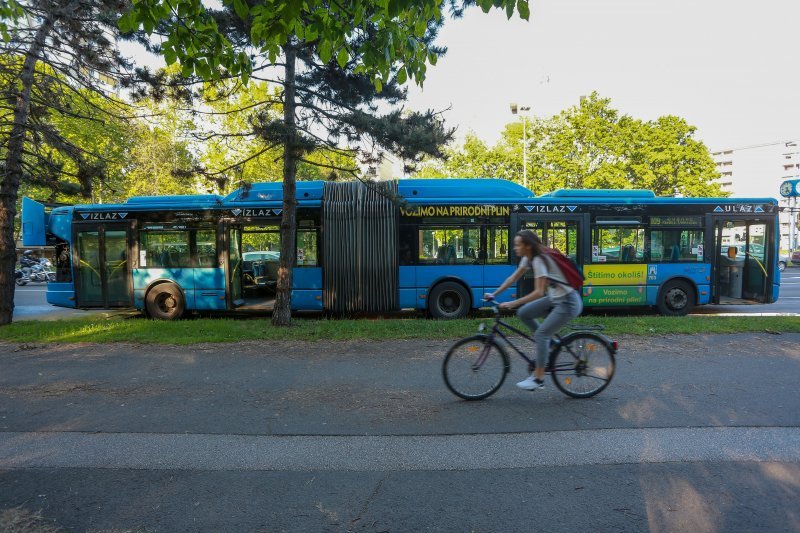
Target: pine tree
[{"x": 53, "y": 52}]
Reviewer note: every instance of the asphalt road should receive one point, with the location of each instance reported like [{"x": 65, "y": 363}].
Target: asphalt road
[
  {"x": 695, "y": 433},
  {"x": 30, "y": 302}
]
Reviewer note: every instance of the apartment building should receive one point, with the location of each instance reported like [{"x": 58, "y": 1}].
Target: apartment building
[{"x": 758, "y": 171}]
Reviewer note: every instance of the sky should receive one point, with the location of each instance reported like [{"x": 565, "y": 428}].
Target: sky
[{"x": 731, "y": 68}]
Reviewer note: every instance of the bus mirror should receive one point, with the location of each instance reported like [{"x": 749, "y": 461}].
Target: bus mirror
[{"x": 731, "y": 252}]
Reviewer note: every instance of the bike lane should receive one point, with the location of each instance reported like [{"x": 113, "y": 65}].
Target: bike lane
[{"x": 365, "y": 436}]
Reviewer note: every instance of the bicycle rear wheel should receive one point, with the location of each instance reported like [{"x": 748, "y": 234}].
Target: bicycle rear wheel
[
  {"x": 583, "y": 366},
  {"x": 475, "y": 368}
]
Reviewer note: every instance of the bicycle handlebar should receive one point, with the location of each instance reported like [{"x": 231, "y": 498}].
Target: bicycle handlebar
[{"x": 494, "y": 305}]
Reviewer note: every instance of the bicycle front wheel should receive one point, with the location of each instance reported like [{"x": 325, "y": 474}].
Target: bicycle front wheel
[
  {"x": 475, "y": 368},
  {"x": 583, "y": 366}
]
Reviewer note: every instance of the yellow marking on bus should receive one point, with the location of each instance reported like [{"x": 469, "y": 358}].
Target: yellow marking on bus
[{"x": 87, "y": 265}]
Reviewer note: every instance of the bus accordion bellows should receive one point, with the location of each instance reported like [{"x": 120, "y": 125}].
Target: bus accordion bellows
[{"x": 432, "y": 245}]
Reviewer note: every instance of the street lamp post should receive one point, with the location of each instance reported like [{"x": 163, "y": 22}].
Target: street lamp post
[{"x": 523, "y": 115}]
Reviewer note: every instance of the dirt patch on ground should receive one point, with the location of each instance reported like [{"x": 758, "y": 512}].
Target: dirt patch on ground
[
  {"x": 20, "y": 520},
  {"x": 62, "y": 388}
]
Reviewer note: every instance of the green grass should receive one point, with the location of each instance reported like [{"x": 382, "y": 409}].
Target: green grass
[{"x": 139, "y": 330}]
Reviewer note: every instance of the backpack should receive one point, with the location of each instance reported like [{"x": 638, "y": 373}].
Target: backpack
[{"x": 568, "y": 267}]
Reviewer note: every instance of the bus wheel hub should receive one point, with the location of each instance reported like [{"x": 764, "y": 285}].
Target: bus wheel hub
[{"x": 676, "y": 298}]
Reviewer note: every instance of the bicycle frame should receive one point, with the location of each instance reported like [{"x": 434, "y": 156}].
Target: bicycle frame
[{"x": 498, "y": 332}]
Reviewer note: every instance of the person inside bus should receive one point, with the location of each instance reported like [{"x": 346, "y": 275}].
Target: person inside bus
[
  {"x": 628, "y": 254},
  {"x": 557, "y": 302},
  {"x": 441, "y": 254}
]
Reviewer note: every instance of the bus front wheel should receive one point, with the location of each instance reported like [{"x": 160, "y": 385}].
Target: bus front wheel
[
  {"x": 449, "y": 300},
  {"x": 676, "y": 298},
  {"x": 165, "y": 302}
]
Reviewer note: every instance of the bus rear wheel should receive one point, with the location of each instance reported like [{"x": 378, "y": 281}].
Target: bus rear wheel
[
  {"x": 449, "y": 300},
  {"x": 676, "y": 298},
  {"x": 165, "y": 302}
]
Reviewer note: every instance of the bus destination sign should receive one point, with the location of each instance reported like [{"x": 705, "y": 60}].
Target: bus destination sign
[
  {"x": 456, "y": 211},
  {"x": 676, "y": 221}
]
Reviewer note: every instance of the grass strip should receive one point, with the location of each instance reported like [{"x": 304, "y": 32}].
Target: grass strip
[{"x": 140, "y": 330}]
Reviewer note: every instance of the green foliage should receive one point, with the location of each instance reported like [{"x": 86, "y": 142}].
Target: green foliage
[
  {"x": 134, "y": 156},
  {"x": 10, "y": 11},
  {"x": 230, "y": 151},
  {"x": 475, "y": 159},
  {"x": 592, "y": 146},
  {"x": 397, "y": 32}
]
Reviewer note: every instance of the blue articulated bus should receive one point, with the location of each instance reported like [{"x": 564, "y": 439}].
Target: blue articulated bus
[{"x": 433, "y": 245}]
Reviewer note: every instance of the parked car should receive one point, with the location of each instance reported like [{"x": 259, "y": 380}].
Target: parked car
[
  {"x": 783, "y": 260},
  {"x": 261, "y": 256},
  {"x": 796, "y": 256}
]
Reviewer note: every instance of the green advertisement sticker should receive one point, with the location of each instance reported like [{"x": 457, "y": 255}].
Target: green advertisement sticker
[{"x": 614, "y": 295}]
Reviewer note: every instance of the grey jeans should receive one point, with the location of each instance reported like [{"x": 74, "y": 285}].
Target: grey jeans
[{"x": 564, "y": 309}]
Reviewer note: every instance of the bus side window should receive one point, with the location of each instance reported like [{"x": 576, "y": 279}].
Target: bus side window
[
  {"x": 307, "y": 247},
  {"x": 406, "y": 245},
  {"x": 206, "y": 240},
  {"x": 676, "y": 245},
  {"x": 165, "y": 249},
  {"x": 496, "y": 246},
  {"x": 618, "y": 244}
]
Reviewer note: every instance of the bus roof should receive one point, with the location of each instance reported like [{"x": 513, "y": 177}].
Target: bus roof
[
  {"x": 260, "y": 193},
  {"x": 481, "y": 189},
  {"x": 415, "y": 191},
  {"x": 600, "y": 193},
  {"x": 184, "y": 199}
]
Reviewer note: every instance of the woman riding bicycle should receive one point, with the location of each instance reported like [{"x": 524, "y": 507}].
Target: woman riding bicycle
[{"x": 552, "y": 294}]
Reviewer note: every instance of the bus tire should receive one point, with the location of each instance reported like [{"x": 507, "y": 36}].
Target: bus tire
[
  {"x": 676, "y": 298},
  {"x": 165, "y": 302},
  {"x": 449, "y": 300}
]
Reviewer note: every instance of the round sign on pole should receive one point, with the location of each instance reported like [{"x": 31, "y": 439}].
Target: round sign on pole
[{"x": 790, "y": 188}]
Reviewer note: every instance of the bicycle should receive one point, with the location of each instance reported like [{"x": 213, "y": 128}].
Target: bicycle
[{"x": 579, "y": 358}]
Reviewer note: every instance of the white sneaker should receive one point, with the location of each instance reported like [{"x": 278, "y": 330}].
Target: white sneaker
[{"x": 530, "y": 384}]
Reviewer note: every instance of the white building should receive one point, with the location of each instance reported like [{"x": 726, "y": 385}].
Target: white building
[{"x": 758, "y": 171}]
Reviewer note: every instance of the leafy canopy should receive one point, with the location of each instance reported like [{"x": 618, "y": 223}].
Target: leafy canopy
[
  {"x": 592, "y": 146},
  {"x": 397, "y": 30}
]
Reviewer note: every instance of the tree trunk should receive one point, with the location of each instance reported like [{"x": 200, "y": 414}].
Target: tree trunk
[
  {"x": 282, "y": 314},
  {"x": 9, "y": 186}
]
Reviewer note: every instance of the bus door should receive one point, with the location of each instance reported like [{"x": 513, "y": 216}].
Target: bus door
[
  {"x": 743, "y": 261},
  {"x": 252, "y": 258},
  {"x": 564, "y": 232},
  {"x": 103, "y": 267},
  {"x": 232, "y": 244}
]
